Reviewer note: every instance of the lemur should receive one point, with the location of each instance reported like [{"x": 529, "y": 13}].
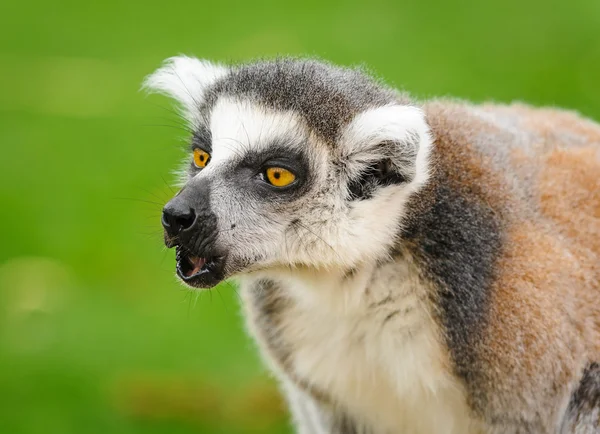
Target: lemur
[{"x": 406, "y": 267}]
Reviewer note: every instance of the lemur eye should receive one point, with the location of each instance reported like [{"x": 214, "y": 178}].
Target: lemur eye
[
  {"x": 201, "y": 158},
  {"x": 279, "y": 177}
]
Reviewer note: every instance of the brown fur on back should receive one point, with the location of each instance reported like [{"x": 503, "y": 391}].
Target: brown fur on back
[{"x": 538, "y": 171}]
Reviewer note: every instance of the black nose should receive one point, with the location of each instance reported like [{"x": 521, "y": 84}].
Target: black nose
[{"x": 177, "y": 217}]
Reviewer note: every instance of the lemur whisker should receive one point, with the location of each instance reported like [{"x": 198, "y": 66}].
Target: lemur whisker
[
  {"x": 196, "y": 103},
  {"x": 187, "y": 297},
  {"x": 298, "y": 240},
  {"x": 301, "y": 240},
  {"x": 163, "y": 258},
  {"x": 222, "y": 300},
  {"x": 232, "y": 149},
  {"x": 139, "y": 200},
  {"x": 170, "y": 110},
  {"x": 175, "y": 127},
  {"x": 197, "y": 296},
  {"x": 245, "y": 147},
  {"x": 233, "y": 288},
  {"x": 237, "y": 152},
  {"x": 174, "y": 122},
  {"x": 260, "y": 133},
  {"x": 246, "y": 133},
  {"x": 287, "y": 250},
  {"x": 167, "y": 184},
  {"x": 150, "y": 235},
  {"x": 320, "y": 238},
  {"x": 154, "y": 195}
]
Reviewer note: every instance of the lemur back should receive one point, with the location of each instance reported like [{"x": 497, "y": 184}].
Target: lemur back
[{"x": 522, "y": 339}]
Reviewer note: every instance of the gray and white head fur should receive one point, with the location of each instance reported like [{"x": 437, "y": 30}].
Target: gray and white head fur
[{"x": 358, "y": 150}]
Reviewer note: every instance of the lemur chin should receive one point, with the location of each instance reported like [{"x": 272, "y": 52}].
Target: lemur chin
[{"x": 407, "y": 267}]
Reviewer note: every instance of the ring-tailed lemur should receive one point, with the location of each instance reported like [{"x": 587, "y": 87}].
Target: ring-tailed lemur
[{"x": 406, "y": 267}]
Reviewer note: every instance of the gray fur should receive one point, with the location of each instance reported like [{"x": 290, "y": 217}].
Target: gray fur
[
  {"x": 583, "y": 414},
  {"x": 328, "y": 97},
  {"x": 456, "y": 242}
]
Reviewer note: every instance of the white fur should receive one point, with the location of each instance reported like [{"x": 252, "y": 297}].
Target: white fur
[
  {"x": 392, "y": 375},
  {"x": 389, "y": 123},
  {"x": 308, "y": 417},
  {"x": 185, "y": 79},
  {"x": 238, "y": 125}
]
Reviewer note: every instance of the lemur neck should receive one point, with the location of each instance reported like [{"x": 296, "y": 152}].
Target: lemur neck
[{"x": 349, "y": 292}]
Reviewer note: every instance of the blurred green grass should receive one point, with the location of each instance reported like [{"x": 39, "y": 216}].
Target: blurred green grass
[{"x": 95, "y": 333}]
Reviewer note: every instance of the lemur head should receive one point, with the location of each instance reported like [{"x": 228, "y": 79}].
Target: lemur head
[{"x": 293, "y": 163}]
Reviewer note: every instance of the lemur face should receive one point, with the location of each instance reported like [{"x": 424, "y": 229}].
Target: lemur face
[{"x": 292, "y": 163}]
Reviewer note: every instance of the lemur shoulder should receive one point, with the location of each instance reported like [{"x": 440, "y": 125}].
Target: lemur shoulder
[{"x": 406, "y": 267}]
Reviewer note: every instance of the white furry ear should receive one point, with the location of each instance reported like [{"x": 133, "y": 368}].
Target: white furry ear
[
  {"x": 396, "y": 132},
  {"x": 185, "y": 79}
]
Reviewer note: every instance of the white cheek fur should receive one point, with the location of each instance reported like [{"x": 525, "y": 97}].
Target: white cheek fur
[{"x": 342, "y": 234}]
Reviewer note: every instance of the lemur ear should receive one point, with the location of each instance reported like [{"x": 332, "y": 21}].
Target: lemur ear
[
  {"x": 185, "y": 79},
  {"x": 386, "y": 145}
]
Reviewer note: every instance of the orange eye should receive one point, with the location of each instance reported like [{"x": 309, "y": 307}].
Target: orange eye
[
  {"x": 201, "y": 158},
  {"x": 280, "y": 177}
]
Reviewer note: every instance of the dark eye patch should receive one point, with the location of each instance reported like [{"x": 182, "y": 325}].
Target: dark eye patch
[
  {"x": 201, "y": 139},
  {"x": 250, "y": 172},
  {"x": 380, "y": 174}
]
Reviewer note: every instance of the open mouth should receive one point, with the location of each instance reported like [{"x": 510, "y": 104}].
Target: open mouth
[{"x": 198, "y": 271}]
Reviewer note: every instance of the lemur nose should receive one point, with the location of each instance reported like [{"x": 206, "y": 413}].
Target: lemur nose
[{"x": 177, "y": 217}]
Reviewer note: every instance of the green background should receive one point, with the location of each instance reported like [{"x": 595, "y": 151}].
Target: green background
[{"x": 96, "y": 335}]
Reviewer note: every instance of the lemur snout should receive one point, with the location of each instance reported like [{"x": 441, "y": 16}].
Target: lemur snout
[
  {"x": 177, "y": 216},
  {"x": 191, "y": 226}
]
